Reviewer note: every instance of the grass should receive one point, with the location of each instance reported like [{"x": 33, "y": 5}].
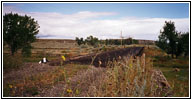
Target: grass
[
  {"x": 37, "y": 58},
  {"x": 31, "y": 85},
  {"x": 126, "y": 78},
  {"x": 179, "y": 80},
  {"x": 121, "y": 78},
  {"x": 12, "y": 62}
]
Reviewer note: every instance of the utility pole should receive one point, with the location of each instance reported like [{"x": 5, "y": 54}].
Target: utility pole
[{"x": 121, "y": 38}]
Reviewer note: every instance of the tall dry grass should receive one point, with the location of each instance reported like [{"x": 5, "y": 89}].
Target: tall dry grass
[{"x": 127, "y": 77}]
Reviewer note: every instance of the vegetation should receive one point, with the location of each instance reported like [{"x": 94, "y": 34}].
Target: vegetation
[
  {"x": 12, "y": 62},
  {"x": 31, "y": 84},
  {"x": 19, "y": 32},
  {"x": 176, "y": 71},
  {"x": 93, "y": 41},
  {"x": 79, "y": 41},
  {"x": 122, "y": 78},
  {"x": 183, "y": 44},
  {"x": 173, "y": 42}
]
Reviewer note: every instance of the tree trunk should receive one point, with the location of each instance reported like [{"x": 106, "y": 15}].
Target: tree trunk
[{"x": 12, "y": 51}]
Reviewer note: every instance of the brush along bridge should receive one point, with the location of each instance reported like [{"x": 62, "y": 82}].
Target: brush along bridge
[{"x": 103, "y": 58}]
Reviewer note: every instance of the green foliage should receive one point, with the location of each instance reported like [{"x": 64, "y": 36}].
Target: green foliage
[
  {"x": 117, "y": 42},
  {"x": 167, "y": 38},
  {"x": 185, "y": 43},
  {"x": 92, "y": 40},
  {"x": 79, "y": 41},
  {"x": 128, "y": 41},
  {"x": 135, "y": 41},
  {"x": 171, "y": 41},
  {"x": 19, "y": 32},
  {"x": 106, "y": 42},
  {"x": 26, "y": 51}
]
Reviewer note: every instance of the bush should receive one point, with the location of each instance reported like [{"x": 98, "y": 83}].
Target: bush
[{"x": 12, "y": 62}]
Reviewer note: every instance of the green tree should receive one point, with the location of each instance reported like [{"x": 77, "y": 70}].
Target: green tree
[
  {"x": 19, "y": 32},
  {"x": 79, "y": 41},
  {"x": 185, "y": 43},
  {"x": 128, "y": 41},
  {"x": 134, "y": 41},
  {"x": 182, "y": 44},
  {"x": 106, "y": 42},
  {"x": 168, "y": 38},
  {"x": 179, "y": 44},
  {"x": 92, "y": 40},
  {"x": 117, "y": 42}
]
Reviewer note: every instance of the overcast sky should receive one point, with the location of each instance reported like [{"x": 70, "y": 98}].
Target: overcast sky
[{"x": 103, "y": 20}]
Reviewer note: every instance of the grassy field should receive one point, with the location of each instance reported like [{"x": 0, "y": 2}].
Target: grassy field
[
  {"x": 84, "y": 80},
  {"x": 31, "y": 85},
  {"x": 175, "y": 70}
]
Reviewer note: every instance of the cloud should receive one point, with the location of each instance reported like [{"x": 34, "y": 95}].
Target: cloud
[{"x": 85, "y": 23}]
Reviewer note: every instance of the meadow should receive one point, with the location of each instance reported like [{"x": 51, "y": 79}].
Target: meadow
[{"x": 154, "y": 74}]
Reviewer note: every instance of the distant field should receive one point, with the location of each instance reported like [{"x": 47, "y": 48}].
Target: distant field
[{"x": 57, "y": 47}]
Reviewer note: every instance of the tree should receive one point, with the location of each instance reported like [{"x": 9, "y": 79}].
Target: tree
[
  {"x": 168, "y": 38},
  {"x": 134, "y": 41},
  {"x": 182, "y": 44},
  {"x": 79, "y": 41},
  {"x": 128, "y": 41},
  {"x": 185, "y": 43},
  {"x": 179, "y": 44},
  {"x": 92, "y": 40},
  {"x": 117, "y": 42},
  {"x": 106, "y": 42},
  {"x": 19, "y": 32}
]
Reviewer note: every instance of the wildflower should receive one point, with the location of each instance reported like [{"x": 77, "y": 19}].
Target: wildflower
[
  {"x": 68, "y": 81},
  {"x": 77, "y": 91},
  {"x": 63, "y": 57},
  {"x": 69, "y": 91},
  {"x": 78, "y": 82},
  {"x": 156, "y": 86},
  {"x": 130, "y": 65},
  {"x": 10, "y": 86}
]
